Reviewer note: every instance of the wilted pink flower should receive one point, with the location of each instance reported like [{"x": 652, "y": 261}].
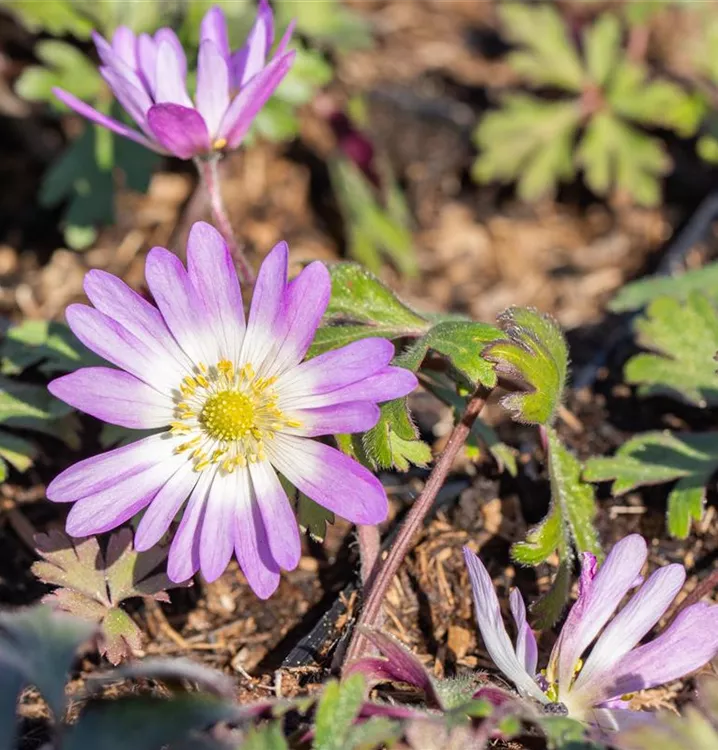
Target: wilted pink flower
[
  {"x": 233, "y": 404},
  {"x": 596, "y": 687},
  {"x": 148, "y": 77}
]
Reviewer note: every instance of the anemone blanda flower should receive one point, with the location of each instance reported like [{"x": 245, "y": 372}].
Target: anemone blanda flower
[
  {"x": 596, "y": 688},
  {"x": 234, "y": 404},
  {"x": 148, "y": 77}
]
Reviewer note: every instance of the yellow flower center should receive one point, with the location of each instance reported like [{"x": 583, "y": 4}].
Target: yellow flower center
[
  {"x": 228, "y": 415},
  {"x": 225, "y": 415}
]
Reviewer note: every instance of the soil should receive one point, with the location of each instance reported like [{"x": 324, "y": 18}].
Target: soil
[{"x": 436, "y": 66}]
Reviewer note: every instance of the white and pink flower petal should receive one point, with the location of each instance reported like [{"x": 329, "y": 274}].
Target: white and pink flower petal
[
  {"x": 251, "y": 98},
  {"x": 119, "y": 500},
  {"x": 262, "y": 326},
  {"x": 330, "y": 478},
  {"x": 389, "y": 383},
  {"x": 526, "y": 648},
  {"x": 212, "y": 272},
  {"x": 114, "y": 396},
  {"x": 183, "y": 559},
  {"x": 640, "y": 614},
  {"x": 106, "y": 122},
  {"x": 305, "y": 300},
  {"x": 335, "y": 369},
  {"x": 251, "y": 542},
  {"x": 180, "y": 130},
  {"x": 165, "y": 506},
  {"x": 355, "y": 416},
  {"x": 117, "y": 345},
  {"x": 493, "y": 631},
  {"x": 278, "y": 516},
  {"x": 182, "y": 308},
  {"x": 217, "y": 533},
  {"x": 170, "y": 86},
  {"x": 212, "y": 95},
  {"x": 597, "y": 602},
  {"x": 115, "y": 299},
  {"x": 686, "y": 645},
  {"x": 100, "y": 472},
  {"x": 214, "y": 28}
]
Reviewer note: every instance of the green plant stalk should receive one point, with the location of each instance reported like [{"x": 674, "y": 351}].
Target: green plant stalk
[
  {"x": 371, "y": 612},
  {"x": 208, "y": 168}
]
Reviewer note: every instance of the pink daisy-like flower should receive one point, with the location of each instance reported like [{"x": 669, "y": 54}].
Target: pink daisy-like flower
[
  {"x": 147, "y": 75},
  {"x": 596, "y": 686},
  {"x": 234, "y": 403}
]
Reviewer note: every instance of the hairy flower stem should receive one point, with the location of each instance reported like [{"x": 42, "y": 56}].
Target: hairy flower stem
[
  {"x": 208, "y": 168},
  {"x": 374, "y": 598}
]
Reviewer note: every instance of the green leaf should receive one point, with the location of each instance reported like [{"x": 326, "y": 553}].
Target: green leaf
[
  {"x": 41, "y": 341},
  {"x": 563, "y": 733},
  {"x": 659, "y": 457},
  {"x": 614, "y": 154},
  {"x": 535, "y": 354},
  {"x": 569, "y": 522},
  {"x": 338, "y": 707},
  {"x": 574, "y": 497},
  {"x": 375, "y": 225},
  {"x": 639, "y": 293},
  {"x": 529, "y": 141},
  {"x": 17, "y": 451},
  {"x": 684, "y": 337},
  {"x": 602, "y": 47},
  {"x": 330, "y": 22},
  {"x": 145, "y": 723},
  {"x": 39, "y": 647},
  {"x": 394, "y": 441},
  {"x": 359, "y": 297},
  {"x": 57, "y": 17},
  {"x": 547, "y": 610},
  {"x": 309, "y": 72},
  {"x": 541, "y": 541},
  {"x": 548, "y": 57},
  {"x": 462, "y": 343},
  {"x": 312, "y": 517},
  {"x": 656, "y": 102},
  {"x": 65, "y": 66},
  {"x": 376, "y": 732},
  {"x": 270, "y": 737}
]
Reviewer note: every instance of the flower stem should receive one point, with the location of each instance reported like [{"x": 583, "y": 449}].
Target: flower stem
[
  {"x": 371, "y": 612},
  {"x": 208, "y": 168}
]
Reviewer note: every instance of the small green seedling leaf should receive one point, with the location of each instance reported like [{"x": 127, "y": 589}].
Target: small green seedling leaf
[
  {"x": 528, "y": 140},
  {"x": 541, "y": 541},
  {"x": 563, "y": 733},
  {"x": 548, "y": 57},
  {"x": 376, "y": 224},
  {"x": 659, "y": 457},
  {"x": 638, "y": 294},
  {"x": 338, "y": 708},
  {"x": 93, "y": 583},
  {"x": 539, "y": 141},
  {"x": 684, "y": 337},
  {"x": 535, "y": 355}
]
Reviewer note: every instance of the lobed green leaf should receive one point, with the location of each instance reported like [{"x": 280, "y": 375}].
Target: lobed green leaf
[
  {"x": 659, "y": 457},
  {"x": 684, "y": 339},
  {"x": 535, "y": 354}
]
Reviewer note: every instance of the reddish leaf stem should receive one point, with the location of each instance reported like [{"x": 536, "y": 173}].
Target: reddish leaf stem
[{"x": 371, "y": 612}]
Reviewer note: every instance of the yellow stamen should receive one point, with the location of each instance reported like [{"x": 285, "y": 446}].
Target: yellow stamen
[{"x": 219, "y": 144}]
